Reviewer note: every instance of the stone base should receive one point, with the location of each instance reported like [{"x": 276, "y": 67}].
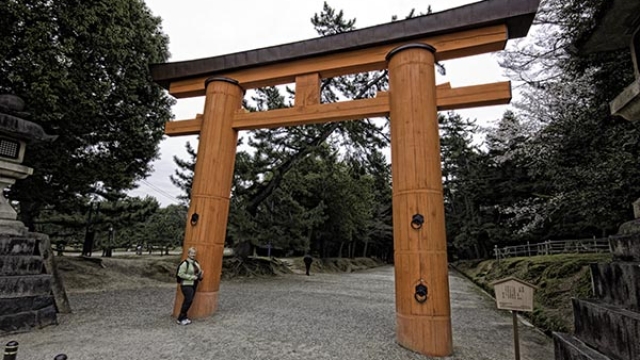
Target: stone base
[
  {"x": 20, "y": 265},
  {"x": 10, "y": 306},
  {"x": 568, "y": 347},
  {"x": 16, "y": 245},
  {"x": 617, "y": 284},
  {"x": 25, "y": 321},
  {"x": 629, "y": 227},
  {"x": 626, "y": 247},
  {"x": 12, "y": 227},
  {"x": 26, "y": 268},
  {"x": 21, "y": 286},
  {"x": 611, "y": 330}
]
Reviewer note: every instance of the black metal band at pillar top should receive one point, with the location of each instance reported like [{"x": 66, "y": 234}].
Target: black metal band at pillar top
[
  {"x": 225, "y": 79},
  {"x": 410, "y": 46}
]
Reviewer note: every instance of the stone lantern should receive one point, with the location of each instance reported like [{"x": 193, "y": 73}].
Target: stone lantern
[
  {"x": 31, "y": 291},
  {"x": 15, "y": 134}
]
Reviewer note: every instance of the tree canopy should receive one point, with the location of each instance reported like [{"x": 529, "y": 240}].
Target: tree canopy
[
  {"x": 557, "y": 165},
  {"x": 82, "y": 69},
  {"x": 586, "y": 158},
  {"x": 311, "y": 187}
]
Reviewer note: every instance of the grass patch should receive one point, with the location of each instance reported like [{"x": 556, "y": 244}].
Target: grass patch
[
  {"x": 558, "y": 277},
  {"x": 133, "y": 272}
]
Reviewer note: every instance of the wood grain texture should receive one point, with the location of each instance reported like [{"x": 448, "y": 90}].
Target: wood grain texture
[
  {"x": 498, "y": 93},
  {"x": 307, "y": 90},
  {"x": 447, "y": 99},
  {"x": 412, "y": 334},
  {"x": 449, "y": 46},
  {"x": 312, "y": 114},
  {"x": 211, "y": 191},
  {"x": 183, "y": 127},
  {"x": 420, "y": 254}
]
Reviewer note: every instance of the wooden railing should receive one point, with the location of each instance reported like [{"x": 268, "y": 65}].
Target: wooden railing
[{"x": 554, "y": 247}]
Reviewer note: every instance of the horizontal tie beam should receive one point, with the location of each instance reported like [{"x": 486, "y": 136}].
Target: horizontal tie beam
[
  {"x": 447, "y": 99},
  {"x": 183, "y": 127}
]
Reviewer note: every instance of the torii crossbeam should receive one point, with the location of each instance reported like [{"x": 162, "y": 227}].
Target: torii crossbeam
[{"x": 409, "y": 50}]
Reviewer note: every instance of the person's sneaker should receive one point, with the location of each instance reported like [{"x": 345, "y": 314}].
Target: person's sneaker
[
  {"x": 184, "y": 322},
  {"x": 188, "y": 321}
]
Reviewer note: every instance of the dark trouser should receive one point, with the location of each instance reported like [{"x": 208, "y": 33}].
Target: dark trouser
[
  {"x": 188, "y": 292},
  {"x": 307, "y": 265}
]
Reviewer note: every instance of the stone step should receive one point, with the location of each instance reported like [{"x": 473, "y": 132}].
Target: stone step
[
  {"x": 21, "y": 304},
  {"x": 617, "y": 283},
  {"x": 610, "y": 329},
  {"x": 625, "y": 247},
  {"x": 27, "y": 320},
  {"x": 21, "y": 286},
  {"x": 567, "y": 347},
  {"x": 12, "y": 265},
  {"x": 17, "y": 245}
]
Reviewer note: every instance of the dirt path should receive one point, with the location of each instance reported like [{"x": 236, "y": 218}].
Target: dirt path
[{"x": 325, "y": 316}]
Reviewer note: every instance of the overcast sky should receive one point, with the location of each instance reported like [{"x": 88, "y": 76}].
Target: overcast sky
[{"x": 199, "y": 29}]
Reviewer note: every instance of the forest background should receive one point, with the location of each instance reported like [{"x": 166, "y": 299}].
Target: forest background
[{"x": 556, "y": 166}]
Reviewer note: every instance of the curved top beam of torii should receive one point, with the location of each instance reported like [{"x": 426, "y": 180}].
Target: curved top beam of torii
[{"x": 463, "y": 31}]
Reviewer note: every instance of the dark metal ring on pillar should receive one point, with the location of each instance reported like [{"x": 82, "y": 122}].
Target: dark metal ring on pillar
[
  {"x": 409, "y": 46},
  {"x": 225, "y": 79},
  {"x": 421, "y": 293},
  {"x": 194, "y": 219},
  {"x": 417, "y": 221}
]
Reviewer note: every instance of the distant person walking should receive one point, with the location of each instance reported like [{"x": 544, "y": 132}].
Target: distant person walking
[
  {"x": 307, "y": 262},
  {"x": 189, "y": 273}
]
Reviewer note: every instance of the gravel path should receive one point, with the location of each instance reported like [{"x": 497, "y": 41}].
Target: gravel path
[{"x": 325, "y": 316}]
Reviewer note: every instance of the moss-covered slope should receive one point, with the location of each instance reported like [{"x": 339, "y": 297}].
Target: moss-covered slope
[{"x": 558, "y": 277}]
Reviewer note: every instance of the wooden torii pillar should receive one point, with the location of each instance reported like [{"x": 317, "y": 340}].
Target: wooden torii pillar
[{"x": 408, "y": 49}]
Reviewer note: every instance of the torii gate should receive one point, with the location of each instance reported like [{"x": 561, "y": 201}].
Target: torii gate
[{"x": 408, "y": 49}]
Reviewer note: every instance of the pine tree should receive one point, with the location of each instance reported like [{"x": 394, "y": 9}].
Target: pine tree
[
  {"x": 82, "y": 69},
  {"x": 587, "y": 159},
  {"x": 263, "y": 178}
]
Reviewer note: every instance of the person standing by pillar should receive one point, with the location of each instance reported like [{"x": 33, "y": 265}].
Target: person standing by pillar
[
  {"x": 189, "y": 273},
  {"x": 307, "y": 262},
  {"x": 211, "y": 191}
]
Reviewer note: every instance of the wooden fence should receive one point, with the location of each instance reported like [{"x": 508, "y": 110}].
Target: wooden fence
[{"x": 554, "y": 247}]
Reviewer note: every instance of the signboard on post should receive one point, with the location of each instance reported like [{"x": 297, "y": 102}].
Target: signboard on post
[{"x": 515, "y": 295}]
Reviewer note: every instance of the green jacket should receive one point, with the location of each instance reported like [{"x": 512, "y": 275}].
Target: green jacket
[{"x": 187, "y": 272}]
